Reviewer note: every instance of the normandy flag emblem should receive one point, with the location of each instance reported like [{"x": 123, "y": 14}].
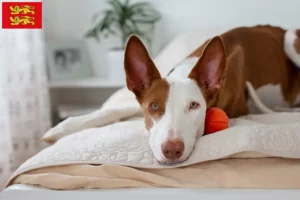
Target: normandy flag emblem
[{"x": 21, "y": 15}]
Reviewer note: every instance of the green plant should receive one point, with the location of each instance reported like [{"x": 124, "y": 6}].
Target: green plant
[{"x": 124, "y": 19}]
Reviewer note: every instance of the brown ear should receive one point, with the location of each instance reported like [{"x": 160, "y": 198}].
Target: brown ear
[
  {"x": 140, "y": 69},
  {"x": 209, "y": 71}
]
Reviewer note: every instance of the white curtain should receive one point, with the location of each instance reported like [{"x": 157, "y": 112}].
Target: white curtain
[{"x": 24, "y": 99}]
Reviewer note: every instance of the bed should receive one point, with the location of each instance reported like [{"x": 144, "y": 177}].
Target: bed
[
  {"x": 107, "y": 154},
  {"x": 33, "y": 192}
]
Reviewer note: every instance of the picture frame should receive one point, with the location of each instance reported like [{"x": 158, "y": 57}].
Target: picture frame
[{"x": 67, "y": 60}]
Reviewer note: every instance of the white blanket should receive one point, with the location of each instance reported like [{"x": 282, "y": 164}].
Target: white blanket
[
  {"x": 100, "y": 137},
  {"x": 124, "y": 143}
]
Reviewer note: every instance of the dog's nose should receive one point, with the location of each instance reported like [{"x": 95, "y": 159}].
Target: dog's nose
[{"x": 172, "y": 149}]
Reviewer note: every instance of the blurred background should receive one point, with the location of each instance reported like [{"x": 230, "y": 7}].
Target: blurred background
[
  {"x": 67, "y": 21},
  {"x": 74, "y": 63}
]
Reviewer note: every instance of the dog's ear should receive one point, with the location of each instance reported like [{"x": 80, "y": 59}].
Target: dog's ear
[
  {"x": 209, "y": 71},
  {"x": 140, "y": 69}
]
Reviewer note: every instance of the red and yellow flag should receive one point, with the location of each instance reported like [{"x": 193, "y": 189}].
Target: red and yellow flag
[{"x": 25, "y": 15}]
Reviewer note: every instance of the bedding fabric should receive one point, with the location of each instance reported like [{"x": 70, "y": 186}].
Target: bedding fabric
[
  {"x": 275, "y": 173},
  {"x": 124, "y": 144}
]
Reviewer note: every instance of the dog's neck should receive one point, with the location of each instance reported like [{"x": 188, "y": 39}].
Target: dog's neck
[{"x": 183, "y": 69}]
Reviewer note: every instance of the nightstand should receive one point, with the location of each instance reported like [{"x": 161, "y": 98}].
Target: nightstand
[{"x": 78, "y": 97}]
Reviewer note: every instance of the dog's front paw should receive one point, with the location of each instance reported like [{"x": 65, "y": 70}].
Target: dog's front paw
[{"x": 62, "y": 129}]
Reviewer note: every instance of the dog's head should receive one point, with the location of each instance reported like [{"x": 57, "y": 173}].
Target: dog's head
[{"x": 174, "y": 107}]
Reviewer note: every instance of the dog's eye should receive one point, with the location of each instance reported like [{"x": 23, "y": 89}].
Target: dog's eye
[
  {"x": 194, "y": 105},
  {"x": 154, "y": 106}
]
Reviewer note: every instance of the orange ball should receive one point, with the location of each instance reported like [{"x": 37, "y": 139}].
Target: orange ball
[{"x": 216, "y": 120}]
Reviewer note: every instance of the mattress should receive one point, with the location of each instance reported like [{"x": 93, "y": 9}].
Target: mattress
[{"x": 20, "y": 191}]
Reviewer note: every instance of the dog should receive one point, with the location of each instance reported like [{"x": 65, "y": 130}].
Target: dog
[{"x": 214, "y": 75}]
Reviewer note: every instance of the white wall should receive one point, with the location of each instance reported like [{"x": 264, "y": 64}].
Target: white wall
[{"x": 69, "y": 19}]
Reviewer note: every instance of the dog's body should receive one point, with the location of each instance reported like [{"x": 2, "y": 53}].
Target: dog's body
[
  {"x": 214, "y": 75},
  {"x": 256, "y": 55}
]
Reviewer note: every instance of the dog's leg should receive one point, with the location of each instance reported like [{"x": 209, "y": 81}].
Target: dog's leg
[
  {"x": 256, "y": 100},
  {"x": 234, "y": 104},
  {"x": 238, "y": 107}
]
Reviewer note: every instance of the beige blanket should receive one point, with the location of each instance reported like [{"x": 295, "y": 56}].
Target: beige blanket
[{"x": 274, "y": 173}]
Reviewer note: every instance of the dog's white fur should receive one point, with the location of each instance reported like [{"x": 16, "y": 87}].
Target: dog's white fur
[
  {"x": 289, "y": 48},
  {"x": 179, "y": 122},
  {"x": 289, "y": 40}
]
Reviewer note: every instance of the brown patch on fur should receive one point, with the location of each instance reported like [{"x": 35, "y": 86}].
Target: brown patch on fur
[
  {"x": 297, "y": 42},
  {"x": 254, "y": 54},
  {"x": 158, "y": 93}
]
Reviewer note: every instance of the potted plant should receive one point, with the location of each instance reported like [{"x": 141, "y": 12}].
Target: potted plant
[{"x": 121, "y": 20}]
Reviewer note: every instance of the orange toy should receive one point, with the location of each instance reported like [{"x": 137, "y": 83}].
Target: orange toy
[{"x": 216, "y": 120}]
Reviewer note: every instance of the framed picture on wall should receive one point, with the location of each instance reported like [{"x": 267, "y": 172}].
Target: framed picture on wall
[{"x": 67, "y": 60}]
